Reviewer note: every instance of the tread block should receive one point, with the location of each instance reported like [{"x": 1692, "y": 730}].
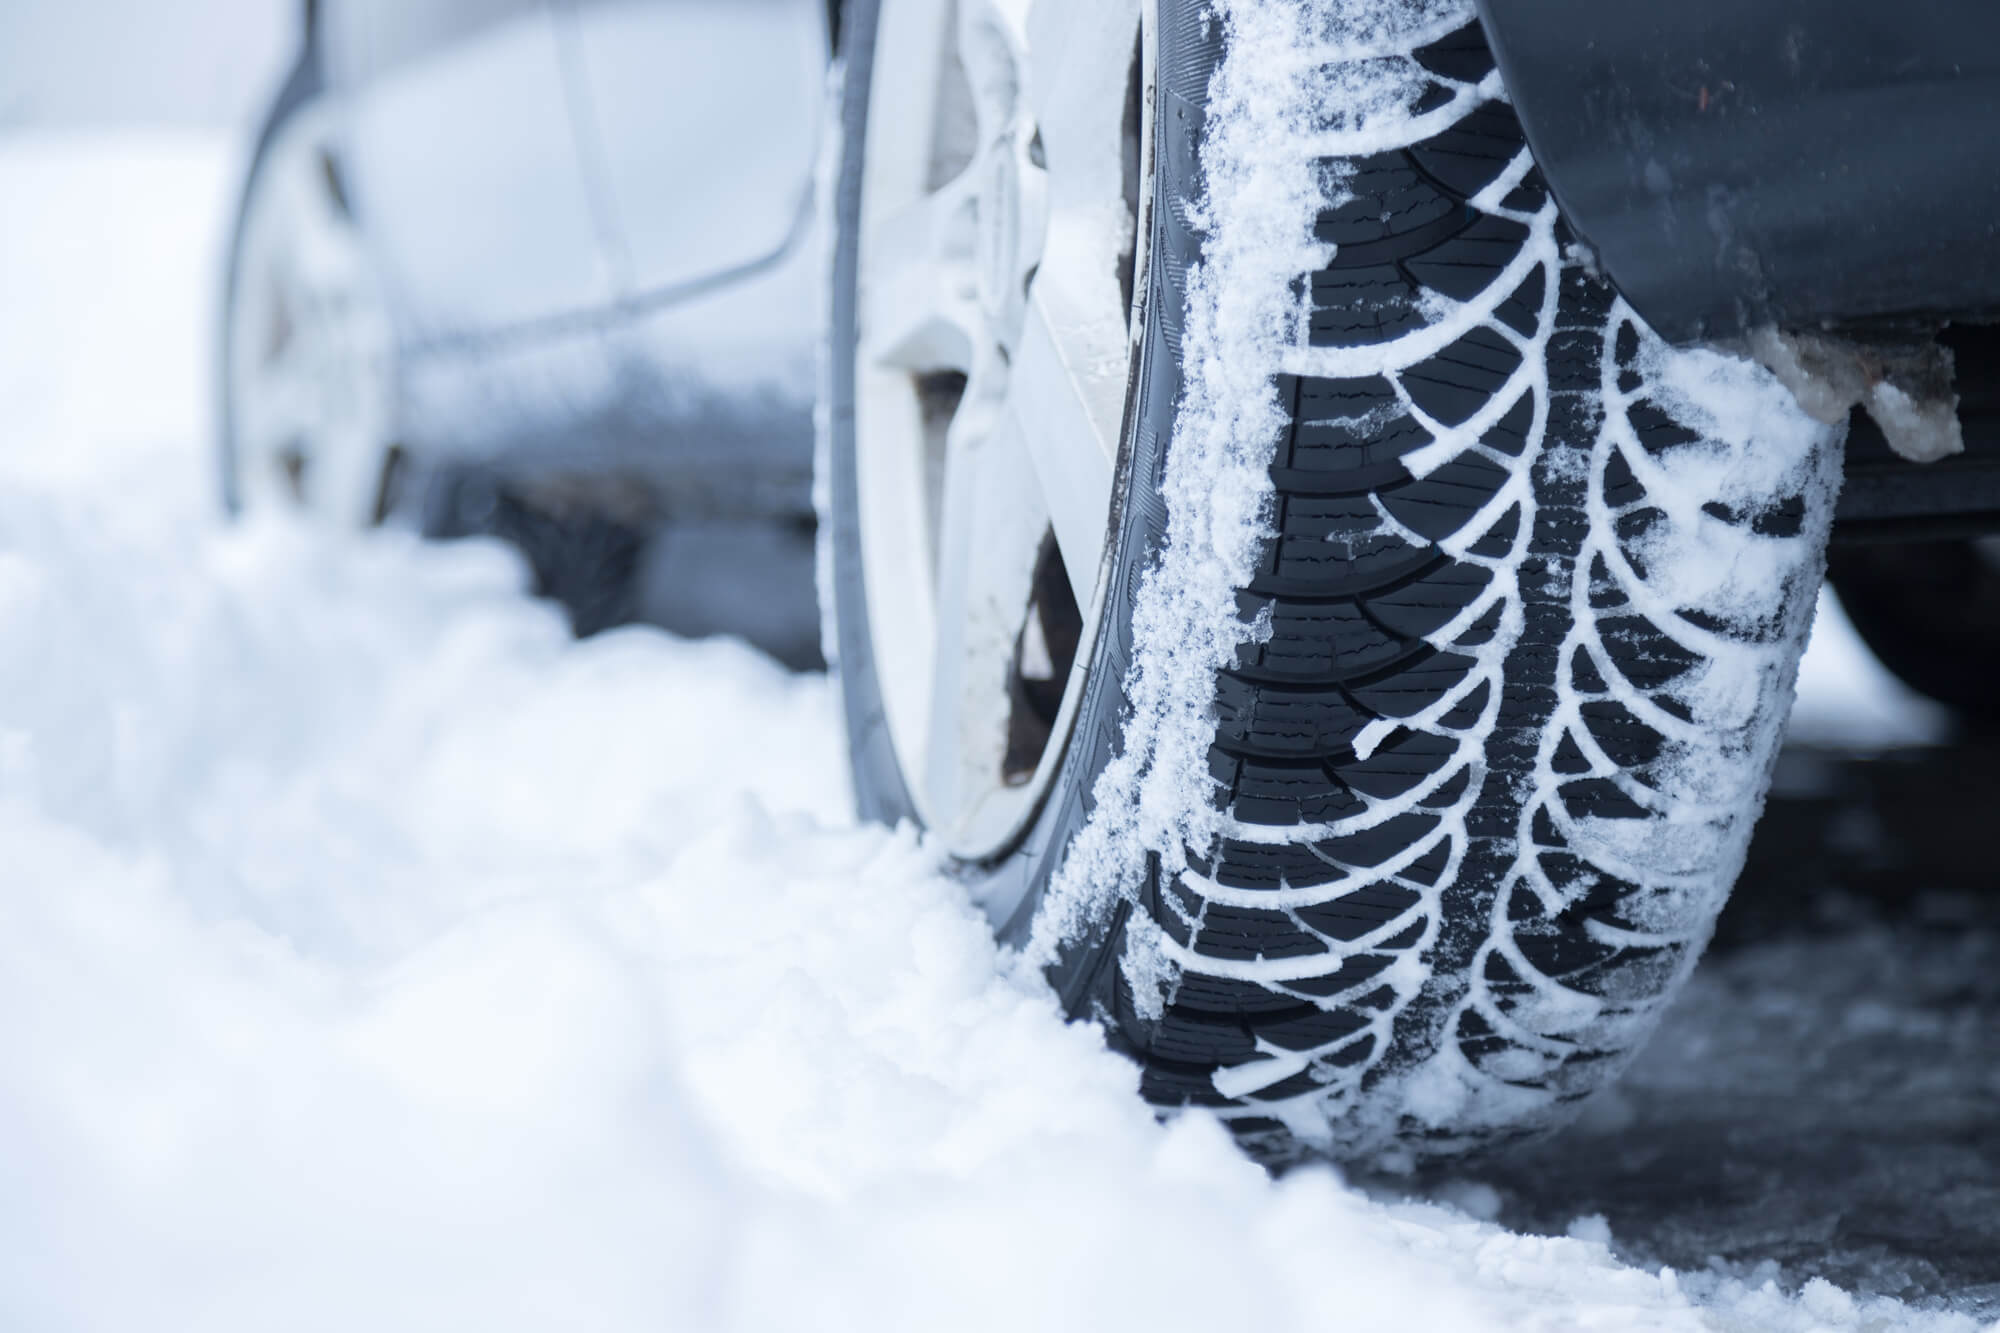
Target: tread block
[
  {"x": 1229, "y": 931},
  {"x": 1644, "y": 654},
  {"x": 1264, "y": 865},
  {"x": 1319, "y": 641},
  {"x": 1561, "y": 953},
  {"x": 1270, "y": 793},
  {"x": 1387, "y": 195},
  {"x": 1569, "y": 757},
  {"x": 1510, "y": 434},
  {"x": 1445, "y": 501},
  {"x": 1531, "y": 195},
  {"x": 1372, "y": 847},
  {"x": 1340, "y": 542},
  {"x": 1309, "y": 1028},
  {"x": 1470, "y": 709},
  {"x": 1522, "y": 312},
  {"x": 1425, "y": 870},
  {"x": 1349, "y": 445},
  {"x": 1463, "y": 55},
  {"x": 1625, "y": 740},
  {"x": 1203, "y": 993},
  {"x": 1190, "y": 1038},
  {"x": 1398, "y": 764},
  {"x": 1415, "y": 687},
  {"x": 1453, "y": 385},
  {"x": 1337, "y": 400},
  {"x": 1355, "y": 971},
  {"x": 1466, "y": 263},
  {"x": 1423, "y": 606},
  {"x": 1470, "y": 155},
  {"x": 1498, "y": 541},
  {"x": 1600, "y": 798},
  {"x": 1657, "y": 431},
  {"x": 1270, "y": 720},
  {"x": 1359, "y": 911},
  {"x": 1164, "y": 1082},
  {"x": 1353, "y": 307},
  {"x": 1621, "y": 485}
]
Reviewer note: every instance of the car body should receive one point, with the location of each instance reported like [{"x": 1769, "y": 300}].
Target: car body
[
  {"x": 586, "y": 277},
  {"x": 595, "y": 218}
]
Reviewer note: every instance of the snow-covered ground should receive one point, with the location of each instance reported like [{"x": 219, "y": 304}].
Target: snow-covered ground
[{"x": 374, "y": 957}]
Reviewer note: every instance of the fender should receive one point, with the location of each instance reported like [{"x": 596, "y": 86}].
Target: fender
[{"x": 1734, "y": 164}]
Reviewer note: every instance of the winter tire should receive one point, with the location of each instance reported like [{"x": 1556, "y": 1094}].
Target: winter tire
[{"x": 1352, "y": 665}]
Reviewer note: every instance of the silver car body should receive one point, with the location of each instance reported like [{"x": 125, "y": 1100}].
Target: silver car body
[{"x": 594, "y": 220}]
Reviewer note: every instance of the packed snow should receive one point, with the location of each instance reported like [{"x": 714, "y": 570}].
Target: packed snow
[{"x": 374, "y": 956}]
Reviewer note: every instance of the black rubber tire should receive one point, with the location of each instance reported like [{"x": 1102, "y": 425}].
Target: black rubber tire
[
  {"x": 1930, "y": 612},
  {"x": 1420, "y": 942}
]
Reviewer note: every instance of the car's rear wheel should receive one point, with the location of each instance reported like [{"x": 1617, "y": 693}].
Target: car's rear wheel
[
  {"x": 309, "y": 389},
  {"x": 1324, "y": 626}
]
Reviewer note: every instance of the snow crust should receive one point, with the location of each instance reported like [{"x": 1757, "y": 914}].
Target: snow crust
[{"x": 372, "y": 956}]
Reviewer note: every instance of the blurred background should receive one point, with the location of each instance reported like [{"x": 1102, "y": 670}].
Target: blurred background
[
  {"x": 124, "y": 80},
  {"x": 98, "y": 64}
]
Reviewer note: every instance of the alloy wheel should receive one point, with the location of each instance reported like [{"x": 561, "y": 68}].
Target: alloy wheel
[{"x": 1000, "y": 243}]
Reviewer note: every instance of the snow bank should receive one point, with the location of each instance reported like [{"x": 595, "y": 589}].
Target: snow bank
[{"x": 371, "y": 956}]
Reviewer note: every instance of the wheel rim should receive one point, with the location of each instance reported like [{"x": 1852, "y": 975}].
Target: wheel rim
[
  {"x": 999, "y": 245},
  {"x": 311, "y": 344}
]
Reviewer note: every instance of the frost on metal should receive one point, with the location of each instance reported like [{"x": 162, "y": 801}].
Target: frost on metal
[{"x": 1702, "y": 496}]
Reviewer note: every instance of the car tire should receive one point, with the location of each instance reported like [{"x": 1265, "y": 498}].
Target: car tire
[{"x": 1393, "y": 801}]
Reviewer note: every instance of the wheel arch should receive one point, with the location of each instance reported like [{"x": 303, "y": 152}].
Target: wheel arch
[{"x": 1713, "y": 157}]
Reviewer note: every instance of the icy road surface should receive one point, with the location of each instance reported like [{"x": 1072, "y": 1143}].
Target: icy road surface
[{"x": 374, "y": 957}]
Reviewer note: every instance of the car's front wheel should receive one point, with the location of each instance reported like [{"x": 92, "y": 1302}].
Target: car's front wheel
[{"x": 1323, "y": 624}]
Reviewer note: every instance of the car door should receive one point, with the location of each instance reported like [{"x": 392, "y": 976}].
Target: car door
[
  {"x": 699, "y": 119},
  {"x": 460, "y": 157}
]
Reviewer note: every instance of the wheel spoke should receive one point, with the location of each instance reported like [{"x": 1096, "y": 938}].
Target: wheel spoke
[
  {"x": 920, "y": 301},
  {"x": 909, "y": 145},
  {"x": 1077, "y": 94},
  {"x": 1066, "y": 402},
  {"x": 990, "y": 537}
]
